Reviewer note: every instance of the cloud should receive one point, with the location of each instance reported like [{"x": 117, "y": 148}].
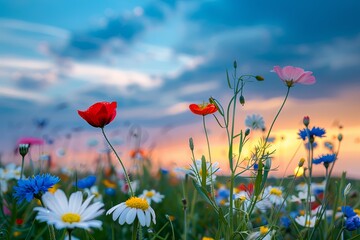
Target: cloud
[
  {"x": 13, "y": 93},
  {"x": 35, "y": 80},
  {"x": 24, "y": 26},
  {"x": 115, "y": 33}
]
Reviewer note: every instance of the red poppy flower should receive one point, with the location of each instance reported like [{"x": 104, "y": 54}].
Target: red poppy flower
[
  {"x": 100, "y": 114},
  {"x": 203, "y": 109}
]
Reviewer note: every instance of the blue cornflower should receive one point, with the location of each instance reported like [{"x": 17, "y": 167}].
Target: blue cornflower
[
  {"x": 285, "y": 222},
  {"x": 34, "y": 187},
  {"x": 256, "y": 167},
  {"x": 315, "y": 131},
  {"x": 328, "y": 158},
  {"x": 352, "y": 223},
  {"x": 110, "y": 191},
  {"x": 348, "y": 211},
  {"x": 87, "y": 182},
  {"x": 164, "y": 171}
]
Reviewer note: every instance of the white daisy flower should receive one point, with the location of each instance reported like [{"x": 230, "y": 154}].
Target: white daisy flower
[
  {"x": 94, "y": 190},
  {"x": 306, "y": 221},
  {"x": 11, "y": 171},
  {"x": 151, "y": 195},
  {"x": 196, "y": 172},
  {"x": 302, "y": 196},
  {"x": 274, "y": 194},
  {"x": 263, "y": 233},
  {"x": 130, "y": 209},
  {"x": 254, "y": 122},
  {"x": 72, "y": 213}
]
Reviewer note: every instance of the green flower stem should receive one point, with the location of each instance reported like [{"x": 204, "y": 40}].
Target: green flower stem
[
  {"x": 309, "y": 179},
  {"x": 122, "y": 165},
  {"x": 184, "y": 208},
  {"x": 209, "y": 151},
  {"x": 252, "y": 206},
  {"x": 22, "y": 167},
  {"x": 50, "y": 227},
  {"x": 172, "y": 230},
  {"x": 207, "y": 139},
  {"x": 193, "y": 202},
  {"x": 135, "y": 228},
  {"x": 69, "y": 232},
  {"x": 277, "y": 115}
]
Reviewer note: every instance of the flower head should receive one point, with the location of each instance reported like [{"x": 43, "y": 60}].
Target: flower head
[
  {"x": 151, "y": 195},
  {"x": 314, "y": 132},
  {"x": 306, "y": 221},
  {"x": 291, "y": 75},
  {"x": 99, "y": 114},
  {"x": 352, "y": 223},
  {"x": 203, "y": 109},
  {"x": 348, "y": 211},
  {"x": 34, "y": 187},
  {"x": 23, "y": 149},
  {"x": 86, "y": 182},
  {"x": 255, "y": 121},
  {"x": 69, "y": 214},
  {"x": 31, "y": 141},
  {"x": 130, "y": 209},
  {"x": 275, "y": 195},
  {"x": 326, "y": 159}
]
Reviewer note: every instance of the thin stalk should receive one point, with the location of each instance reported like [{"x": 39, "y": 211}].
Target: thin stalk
[
  {"x": 172, "y": 230},
  {"x": 50, "y": 227},
  {"x": 209, "y": 152},
  {"x": 207, "y": 139},
  {"x": 135, "y": 228},
  {"x": 122, "y": 165},
  {"x": 277, "y": 115},
  {"x": 185, "y": 209},
  {"x": 22, "y": 167},
  {"x": 69, "y": 232}
]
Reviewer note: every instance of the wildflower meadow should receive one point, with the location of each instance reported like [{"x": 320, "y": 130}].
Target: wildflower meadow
[{"x": 202, "y": 200}]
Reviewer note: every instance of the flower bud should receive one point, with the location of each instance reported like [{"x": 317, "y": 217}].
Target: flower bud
[
  {"x": 242, "y": 100},
  {"x": 23, "y": 149},
  {"x": 306, "y": 121},
  {"x": 301, "y": 162},
  {"x": 213, "y": 101},
  {"x": 247, "y": 132},
  {"x": 259, "y": 78},
  {"x": 191, "y": 144},
  {"x": 340, "y": 137},
  {"x": 235, "y": 64},
  {"x": 347, "y": 189}
]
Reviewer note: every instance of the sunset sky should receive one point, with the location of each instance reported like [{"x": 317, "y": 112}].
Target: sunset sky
[{"x": 156, "y": 57}]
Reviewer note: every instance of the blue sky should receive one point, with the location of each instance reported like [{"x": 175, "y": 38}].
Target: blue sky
[{"x": 156, "y": 57}]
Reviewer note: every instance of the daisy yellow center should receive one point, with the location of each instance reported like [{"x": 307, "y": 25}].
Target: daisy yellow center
[
  {"x": 138, "y": 203},
  {"x": 275, "y": 191},
  {"x": 263, "y": 230},
  {"x": 308, "y": 223},
  {"x": 149, "y": 194},
  {"x": 71, "y": 217}
]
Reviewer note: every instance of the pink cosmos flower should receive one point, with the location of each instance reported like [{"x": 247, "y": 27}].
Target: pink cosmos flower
[{"x": 291, "y": 75}]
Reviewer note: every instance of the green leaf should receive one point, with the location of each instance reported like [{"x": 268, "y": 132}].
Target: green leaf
[
  {"x": 228, "y": 79},
  {"x": 203, "y": 173}
]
